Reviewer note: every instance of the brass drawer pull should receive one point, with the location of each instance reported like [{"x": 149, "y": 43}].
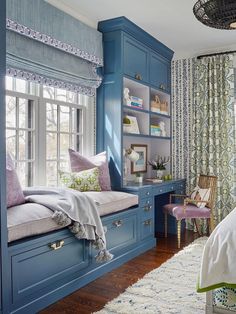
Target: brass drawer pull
[
  {"x": 118, "y": 223},
  {"x": 57, "y": 245},
  {"x": 147, "y": 222},
  {"x": 147, "y": 208},
  {"x": 162, "y": 86},
  {"x": 138, "y": 77}
]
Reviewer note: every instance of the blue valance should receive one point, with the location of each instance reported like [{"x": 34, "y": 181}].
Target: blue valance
[{"x": 49, "y": 46}]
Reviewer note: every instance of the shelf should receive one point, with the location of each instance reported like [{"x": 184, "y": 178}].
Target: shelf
[
  {"x": 149, "y": 136},
  {"x": 159, "y": 114},
  {"x": 135, "y": 109}
]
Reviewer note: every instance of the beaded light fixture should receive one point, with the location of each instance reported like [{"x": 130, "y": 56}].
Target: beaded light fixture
[{"x": 219, "y": 14}]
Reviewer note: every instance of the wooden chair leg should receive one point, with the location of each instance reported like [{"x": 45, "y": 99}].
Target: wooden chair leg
[
  {"x": 195, "y": 222},
  {"x": 179, "y": 232},
  {"x": 166, "y": 217}
]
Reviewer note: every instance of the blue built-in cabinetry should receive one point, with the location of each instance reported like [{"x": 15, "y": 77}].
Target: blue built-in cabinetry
[{"x": 135, "y": 60}]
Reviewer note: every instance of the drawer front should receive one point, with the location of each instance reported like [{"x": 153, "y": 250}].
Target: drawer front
[
  {"x": 136, "y": 58},
  {"x": 159, "y": 72},
  {"x": 145, "y": 192},
  {"x": 43, "y": 266},
  {"x": 121, "y": 231},
  {"x": 170, "y": 188},
  {"x": 160, "y": 190},
  {"x": 147, "y": 228},
  {"x": 146, "y": 208}
]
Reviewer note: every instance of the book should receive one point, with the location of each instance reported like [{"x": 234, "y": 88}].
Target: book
[{"x": 154, "y": 180}]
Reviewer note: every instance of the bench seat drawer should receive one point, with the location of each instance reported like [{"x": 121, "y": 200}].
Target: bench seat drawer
[
  {"x": 38, "y": 268},
  {"x": 121, "y": 230}
]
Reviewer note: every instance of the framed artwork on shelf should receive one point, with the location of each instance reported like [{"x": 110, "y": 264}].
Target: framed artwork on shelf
[
  {"x": 131, "y": 125},
  {"x": 141, "y": 164}
]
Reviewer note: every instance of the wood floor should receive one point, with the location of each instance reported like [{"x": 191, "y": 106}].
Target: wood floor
[{"x": 95, "y": 295}]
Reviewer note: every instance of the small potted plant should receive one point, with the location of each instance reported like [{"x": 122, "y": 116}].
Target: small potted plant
[
  {"x": 139, "y": 177},
  {"x": 159, "y": 164}
]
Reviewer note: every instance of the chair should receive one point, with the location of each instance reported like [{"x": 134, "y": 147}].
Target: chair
[{"x": 187, "y": 210}]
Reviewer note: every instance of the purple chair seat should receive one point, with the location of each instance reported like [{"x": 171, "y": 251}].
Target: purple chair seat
[{"x": 192, "y": 211}]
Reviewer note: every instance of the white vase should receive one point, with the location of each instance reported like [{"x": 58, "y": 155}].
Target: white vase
[{"x": 159, "y": 174}]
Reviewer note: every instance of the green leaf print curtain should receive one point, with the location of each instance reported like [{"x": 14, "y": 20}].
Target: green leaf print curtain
[{"x": 213, "y": 137}]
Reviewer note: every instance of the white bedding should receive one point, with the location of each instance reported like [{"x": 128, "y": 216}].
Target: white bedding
[{"x": 218, "y": 266}]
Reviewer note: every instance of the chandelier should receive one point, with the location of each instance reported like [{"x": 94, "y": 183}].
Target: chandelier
[{"x": 216, "y": 13}]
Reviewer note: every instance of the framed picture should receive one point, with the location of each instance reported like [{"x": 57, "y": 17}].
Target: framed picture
[
  {"x": 141, "y": 164},
  {"x": 133, "y": 126}
]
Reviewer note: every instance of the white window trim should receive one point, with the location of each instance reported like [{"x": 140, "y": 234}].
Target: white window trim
[{"x": 88, "y": 128}]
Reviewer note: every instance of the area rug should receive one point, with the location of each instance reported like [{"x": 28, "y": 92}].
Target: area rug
[{"x": 168, "y": 289}]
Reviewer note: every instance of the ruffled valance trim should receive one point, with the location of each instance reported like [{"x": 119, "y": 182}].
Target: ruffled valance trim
[
  {"x": 53, "y": 42},
  {"x": 33, "y": 77}
]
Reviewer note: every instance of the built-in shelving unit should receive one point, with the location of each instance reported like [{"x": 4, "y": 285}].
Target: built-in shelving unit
[{"x": 134, "y": 103}]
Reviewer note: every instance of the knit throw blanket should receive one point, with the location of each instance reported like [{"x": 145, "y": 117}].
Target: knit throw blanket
[{"x": 75, "y": 209}]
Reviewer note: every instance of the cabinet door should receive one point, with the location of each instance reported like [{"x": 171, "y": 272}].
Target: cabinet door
[
  {"x": 136, "y": 58},
  {"x": 159, "y": 72}
]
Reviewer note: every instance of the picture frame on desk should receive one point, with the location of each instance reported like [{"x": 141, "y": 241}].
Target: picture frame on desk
[{"x": 140, "y": 166}]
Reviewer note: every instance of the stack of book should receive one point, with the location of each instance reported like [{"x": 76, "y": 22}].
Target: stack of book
[
  {"x": 155, "y": 130},
  {"x": 135, "y": 102}
]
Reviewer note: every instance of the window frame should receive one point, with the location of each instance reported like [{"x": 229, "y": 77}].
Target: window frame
[{"x": 87, "y": 134}]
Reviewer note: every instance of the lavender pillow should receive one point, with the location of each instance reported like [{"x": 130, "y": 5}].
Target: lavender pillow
[
  {"x": 15, "y": 194},
  {"x": 80, "y": 163}
]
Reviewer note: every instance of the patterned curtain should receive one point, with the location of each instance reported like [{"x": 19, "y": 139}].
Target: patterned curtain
[
  {"x": 213, "y": 140},
  {"x": 182, "y": 108}
]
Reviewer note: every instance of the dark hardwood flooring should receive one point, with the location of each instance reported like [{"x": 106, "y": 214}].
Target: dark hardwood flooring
[{"x": 95, "y": 295}]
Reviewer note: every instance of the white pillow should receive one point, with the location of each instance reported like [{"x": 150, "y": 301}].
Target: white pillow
[{"x": 199, "y": 195}]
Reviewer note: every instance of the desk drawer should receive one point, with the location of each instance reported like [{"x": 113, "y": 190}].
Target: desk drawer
[
  {"x": 147, "y": 209},
  {"x": 160, "y": 190},
  {"x": 145, "y": 192},
  {"x": 43, "y": 266},
  {"x": 121, "y": 231},
  {"x": 147, "y": 228}
]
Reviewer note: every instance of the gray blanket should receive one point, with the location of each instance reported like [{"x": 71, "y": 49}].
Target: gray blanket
[{"x": 74, "y": 208}]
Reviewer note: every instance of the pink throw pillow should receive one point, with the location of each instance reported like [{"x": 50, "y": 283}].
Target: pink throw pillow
[
  {"x": 15, "y": 194},
  {"x": 80, "y": 163}
]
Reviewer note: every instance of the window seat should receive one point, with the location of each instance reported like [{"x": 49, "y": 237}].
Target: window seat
[{"x": 33, "y": 219}]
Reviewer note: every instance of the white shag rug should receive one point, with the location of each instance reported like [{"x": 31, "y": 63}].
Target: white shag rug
[{"x": 168, "y": 289}]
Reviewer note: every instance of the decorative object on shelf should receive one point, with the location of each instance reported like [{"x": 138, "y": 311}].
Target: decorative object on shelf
[
  {"x": 131, "y": 155},
  {"x": 163, "y": 128},
  {"x": 132, "y": 101},
  {"x": 216, "y": 13},
  {"x": 126, "y": 97},
  {"x": 155, "y": 130},
  {"x": 159, "y": 164},
  {"x": 156, "y": 104},
  {"x": 131, "y": 127},
  {"x": 164, "y": 107},
  {"x": 139, "y": 177},
  {"x": 141, "y": 164}
]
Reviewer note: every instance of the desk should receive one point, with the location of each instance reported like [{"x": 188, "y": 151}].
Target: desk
[{"x": 152, "y": 196}]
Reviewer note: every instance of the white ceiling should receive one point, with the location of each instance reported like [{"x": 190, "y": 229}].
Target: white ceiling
[{"x": 170, "y": 21}]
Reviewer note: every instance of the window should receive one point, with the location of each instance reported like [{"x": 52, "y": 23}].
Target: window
[{"x": 42, "y": 123}]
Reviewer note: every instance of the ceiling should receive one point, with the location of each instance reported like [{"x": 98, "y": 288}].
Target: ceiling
[{"x": 170, "y": 21}]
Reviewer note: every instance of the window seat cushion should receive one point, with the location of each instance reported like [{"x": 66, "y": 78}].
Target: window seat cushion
[{"x": 31, "y": 219}]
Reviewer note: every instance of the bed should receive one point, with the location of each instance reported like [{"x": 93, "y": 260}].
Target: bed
[{"x": 218, "y": 269}]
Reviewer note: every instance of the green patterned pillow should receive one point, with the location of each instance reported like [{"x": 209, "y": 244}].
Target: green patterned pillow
[{"x": 86, "y": 180}]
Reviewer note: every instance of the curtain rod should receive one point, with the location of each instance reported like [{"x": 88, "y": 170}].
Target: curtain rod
[{"x": 216, "y": 54}]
